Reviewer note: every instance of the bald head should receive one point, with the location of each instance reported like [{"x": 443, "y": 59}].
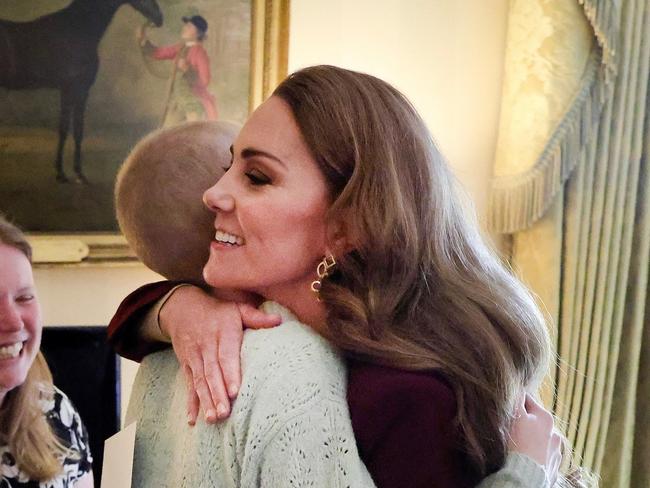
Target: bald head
[{"x": 158, "y": 196}]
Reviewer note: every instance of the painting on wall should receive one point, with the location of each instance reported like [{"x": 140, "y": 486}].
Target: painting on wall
[{"x": 82, "y": 81}]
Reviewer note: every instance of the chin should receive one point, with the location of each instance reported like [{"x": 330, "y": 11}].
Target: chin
[
  {"x": 212, "y": 276},
  {"x": 207, "y": 275},
  {"x": 12, "y": 380}
]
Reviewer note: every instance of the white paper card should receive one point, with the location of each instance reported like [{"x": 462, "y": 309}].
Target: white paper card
[{"x": 118, "y": 459}]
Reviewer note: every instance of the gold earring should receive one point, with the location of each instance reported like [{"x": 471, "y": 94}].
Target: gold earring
[{"x": 322, "y": 271}]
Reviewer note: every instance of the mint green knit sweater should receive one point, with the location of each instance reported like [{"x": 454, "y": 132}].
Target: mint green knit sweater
[{"x": 290, "y": 425}]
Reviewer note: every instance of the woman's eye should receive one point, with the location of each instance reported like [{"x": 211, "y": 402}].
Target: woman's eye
[
  {"x": 256, "y": 178},
  {"x": 25, "y": 298}
]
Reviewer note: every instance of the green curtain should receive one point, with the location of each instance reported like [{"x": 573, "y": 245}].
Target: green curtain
[{"x": 585, "y": 249}]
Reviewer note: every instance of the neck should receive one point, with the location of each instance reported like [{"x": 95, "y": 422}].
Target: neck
[
  {"x": 302, "y": 302},
  {"x": 236, "y": 296},
  {"x": 96, "y": 16},
  {"x": 3, "y": 394}
]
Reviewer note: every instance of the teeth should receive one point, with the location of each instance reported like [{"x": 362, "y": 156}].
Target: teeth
[
  {"x": 11, "y": 351},
  {"x": 222, "y": 236}
]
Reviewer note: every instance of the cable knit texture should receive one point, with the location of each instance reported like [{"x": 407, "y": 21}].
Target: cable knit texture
[{"x": 290, "y": 425}]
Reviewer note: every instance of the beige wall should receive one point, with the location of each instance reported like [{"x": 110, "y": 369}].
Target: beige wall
[{"x": 445, "y": 55}]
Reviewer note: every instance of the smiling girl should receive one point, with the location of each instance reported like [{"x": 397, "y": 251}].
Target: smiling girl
[{"x": 42, "y": 438}]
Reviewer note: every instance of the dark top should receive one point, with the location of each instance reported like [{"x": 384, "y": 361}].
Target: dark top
[{"x": 403, "y": 421}]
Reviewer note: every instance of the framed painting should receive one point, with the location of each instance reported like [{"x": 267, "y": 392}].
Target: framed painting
[{"x": 81, "y": 81}]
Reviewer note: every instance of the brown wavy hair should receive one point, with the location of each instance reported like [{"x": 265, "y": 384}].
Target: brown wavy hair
[
  {"x": 23, "y": 427},
  {"x": 421, "y": 290}
]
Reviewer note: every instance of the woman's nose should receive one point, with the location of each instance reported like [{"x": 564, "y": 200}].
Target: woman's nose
[
  {"x": 219, "y": 198},
  {"x": 10, "y": 319}
]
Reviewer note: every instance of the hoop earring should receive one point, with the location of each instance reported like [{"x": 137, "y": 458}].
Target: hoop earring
[{"x": 322, "y": 270}]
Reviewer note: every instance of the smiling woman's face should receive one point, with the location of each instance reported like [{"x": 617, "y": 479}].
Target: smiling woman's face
[
  {"x": 270, "y": 210},
  {"x": 20, "y": 319}
]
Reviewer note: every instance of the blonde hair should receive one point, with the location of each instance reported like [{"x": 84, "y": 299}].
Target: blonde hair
[
  {"x": 23, "y": 427},
  {"x": 421, "y": 290}
]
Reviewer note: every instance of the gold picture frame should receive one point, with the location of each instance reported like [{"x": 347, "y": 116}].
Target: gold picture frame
[{"x": 268, "y": 66}]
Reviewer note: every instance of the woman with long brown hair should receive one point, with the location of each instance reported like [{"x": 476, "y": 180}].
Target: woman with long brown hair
[
  {"x": 405, "y": 285},
  {"x": 42, "y": 438}
]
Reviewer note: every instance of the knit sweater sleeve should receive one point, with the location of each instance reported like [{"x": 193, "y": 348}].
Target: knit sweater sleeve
[{"x": 519, "y": 471}]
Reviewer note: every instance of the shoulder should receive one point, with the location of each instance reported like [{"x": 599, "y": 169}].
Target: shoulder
[
  {"x": 291, "y": 348},
  {"x": 55, "y": 401},
  {"x": 66, "y": 421},
  {"x": 287, "y": 372},
  {"x": 382, "y": 398},
  {"x": 292, "y": 361},
  {"x": 198, "y": 50},
  {"x": 295, "y": 411},
  {"x": 420, "y": 390},
  {"x": 67, "y": 425},
  {"x": 405, "y": 422}
]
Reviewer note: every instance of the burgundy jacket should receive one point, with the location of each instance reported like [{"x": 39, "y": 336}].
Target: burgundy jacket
[{"x": 403, "y": 421}]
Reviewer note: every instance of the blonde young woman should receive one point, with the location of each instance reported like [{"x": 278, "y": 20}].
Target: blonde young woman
[
  {"x": 43, "y": 441},
  {"x": 338, "y": 163}
]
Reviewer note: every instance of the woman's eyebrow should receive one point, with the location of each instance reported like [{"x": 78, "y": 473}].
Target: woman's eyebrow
[{"x": 250, "y": 152}]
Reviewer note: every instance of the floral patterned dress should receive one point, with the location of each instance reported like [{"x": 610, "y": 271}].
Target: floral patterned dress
[{"x": 69, "y": 428}]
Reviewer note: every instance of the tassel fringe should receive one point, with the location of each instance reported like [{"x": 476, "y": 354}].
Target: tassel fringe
[{"x": 517, "y": 202}]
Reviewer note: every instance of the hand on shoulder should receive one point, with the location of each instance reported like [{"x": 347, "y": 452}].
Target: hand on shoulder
[
  {"x": 533, "y": 434},
  {"x": 207, "y": 334}
]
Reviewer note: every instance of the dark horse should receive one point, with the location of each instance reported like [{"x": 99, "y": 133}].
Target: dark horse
[{"x": 60, "y": 51}]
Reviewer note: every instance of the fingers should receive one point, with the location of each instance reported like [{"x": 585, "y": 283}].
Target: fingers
[
  {"x": 192, "y": 397},
  {"x": 230, "y": 359},
  {"x": 556, "y": 443},
  {"x": 532, "y": 433},
  {"x": 206, "y": 388},
  {"x": 520, "y": 406},
  {"x": 533, "y": 407},
  {"x": 256, "y": 319},
  {"x": 554, "y": 458},
  {"x": 199, "y": 383},
  {"x": 531, "y": 404},
  {"x": 217, "y": 387},
  {"x": 210, "y": 354}
]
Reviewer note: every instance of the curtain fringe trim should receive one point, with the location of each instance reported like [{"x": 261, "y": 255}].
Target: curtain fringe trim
[
  {"x": 603, "y": 17},
  {"x": 517, "y": 202}
]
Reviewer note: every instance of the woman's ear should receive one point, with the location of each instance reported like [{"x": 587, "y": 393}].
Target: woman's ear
[{"x": 339, "y": 238}]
